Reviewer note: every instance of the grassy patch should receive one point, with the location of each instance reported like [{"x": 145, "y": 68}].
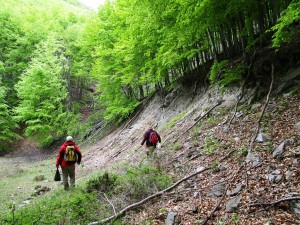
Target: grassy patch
[
  {"x": 210, "y": 145},
  {"x": 172, "y": 122},
  {"x": 19, "y": 179},
  {"x": 88, "y": 201},
  {"x": 59, "y": 207}
]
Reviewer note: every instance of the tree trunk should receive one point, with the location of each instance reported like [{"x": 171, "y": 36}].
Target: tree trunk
[{"x": 213, "y": 46}]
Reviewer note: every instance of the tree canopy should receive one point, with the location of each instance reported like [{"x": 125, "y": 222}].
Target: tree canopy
[{"x": 51, "y": 54}]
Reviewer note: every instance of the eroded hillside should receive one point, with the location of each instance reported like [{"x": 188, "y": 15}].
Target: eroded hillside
[
  {"x": 242, "y": 184},
  {"x": 238, "y": 181}
]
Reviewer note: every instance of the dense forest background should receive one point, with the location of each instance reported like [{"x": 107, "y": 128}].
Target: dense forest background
[{"x": 57, "y": 57}]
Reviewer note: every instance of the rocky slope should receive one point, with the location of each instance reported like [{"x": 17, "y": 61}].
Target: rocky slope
[{"x": 245, "y": 182}]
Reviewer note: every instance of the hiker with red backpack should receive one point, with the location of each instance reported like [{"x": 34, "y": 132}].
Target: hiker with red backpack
[
  {"x": 152, "y": 138},
  {"x": 69, "y": 154}
]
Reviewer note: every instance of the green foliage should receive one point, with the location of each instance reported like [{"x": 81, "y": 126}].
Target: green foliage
[
  {"x": 235, "y": 219},
  {"x": 128, "y": 50},
  {"x": 224, "y": 75},
  {"x": 195, "y": 142},
  {"x": 216, "y": 70},
  {"x": 242, "y": 151},
  {"x": 215, "y": 166},
  {"x": 7, "y": 125},
  {"x": 177, "y": 146},
  {"x": 210, "y": 145},
  {"x": 120, "y": 110},
  {"x": 196, "y": 131},
  {"x": 139, "y": 182},
  {"x": 285, "y": 28},
  {"x": 102, "y": 183},
  {"x": 72, "y": 207},
  {"x": 44, "y": 96},
  {"x": 135, "y": 182}
]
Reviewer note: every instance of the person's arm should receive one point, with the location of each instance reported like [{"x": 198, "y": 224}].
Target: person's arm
[
  {"x": 159, "y": 139},
  {"x": 79, "y": 155},
  {"x": 145, "y": 138},
  {"x": 59, "y": 157}
]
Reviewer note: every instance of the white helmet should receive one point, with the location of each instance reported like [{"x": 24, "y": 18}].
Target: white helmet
[{"x": 69, "y": 138}]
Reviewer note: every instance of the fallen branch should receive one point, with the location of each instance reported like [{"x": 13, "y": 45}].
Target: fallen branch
[
  {"x": 274, "y": 203},
  {"x": 109, "y": 202},
  {"x": 262, "y": 112},
  {"x": 148, "y": 198},
  {"x": 242, "y": 90},
  {"x": 198, "y": 119},
  {"x": 225, "y": 156},
  {"x": 215, "y": 208}
]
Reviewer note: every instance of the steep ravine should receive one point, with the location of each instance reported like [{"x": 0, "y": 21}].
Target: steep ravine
[
  {"x": 229, "y": 191},
  {"x": 238, "y": 188}
]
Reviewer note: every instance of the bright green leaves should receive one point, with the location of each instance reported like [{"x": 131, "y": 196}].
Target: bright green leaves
[
  {"x": 285, "y": 29},
  {"x": 224, "y": 74},
  {"x": 43, "y": 93},
  {"x": 7, "y": 125}
]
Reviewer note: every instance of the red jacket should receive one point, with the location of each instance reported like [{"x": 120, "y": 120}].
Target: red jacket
[
  {"x": 147, "y": 136},
  {"x": 61, "y": 153}
]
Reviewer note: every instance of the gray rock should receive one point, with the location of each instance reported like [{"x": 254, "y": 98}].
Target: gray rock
[
  {"x": 235, "y": 191},
  {"x": 298, "y": 125},
  {"x": 289, "y": 175},
  {"x": 196, "y": 194},
  {"x": 217, "y": 190},
  {"x": 297, "y": 153},
  {"x": 279, "y": 150},
  {"x": 254, "y": 159},
  {"x": 275, "y": 176},
  {"x": 295, "y": 206},
  {"x": 256, "y": 164},
  {"x": 222, "y": 167},
  {"x": 233, "y": 203},
  {"x": 171, "y": 218},
  {"x": 255, "y": 106},
  {"x": 261, "y": 138}
]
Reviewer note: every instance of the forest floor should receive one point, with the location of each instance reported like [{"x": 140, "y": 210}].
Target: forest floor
[{"x": 197, "y": 132}]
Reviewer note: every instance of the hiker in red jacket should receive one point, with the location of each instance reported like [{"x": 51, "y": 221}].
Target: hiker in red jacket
[
  {"x": 68, "y": 155},
  {"x": 152, "y": 138}
]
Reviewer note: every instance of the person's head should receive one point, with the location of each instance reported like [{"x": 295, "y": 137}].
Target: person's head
[{"x": 69, "y": 138}]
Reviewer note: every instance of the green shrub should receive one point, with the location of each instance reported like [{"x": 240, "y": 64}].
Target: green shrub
[
  {"x": 210, "y": 145},
  {"x": 216, "y": 70},
  {"x": 225, "y": 75},
  {"x": 215, "y": 166},
  {"x": 177, "y": 146},
  {"x": 141, "y": 182},
  {"x": 102, "y": 183},
  {"x": 62, "y": 207},
  {"x": 172, "y": 122}
]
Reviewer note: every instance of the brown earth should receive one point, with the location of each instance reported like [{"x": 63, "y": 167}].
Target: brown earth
[
  {"x": 227, "y": 147},
  {"x": 123, "y": 147}
]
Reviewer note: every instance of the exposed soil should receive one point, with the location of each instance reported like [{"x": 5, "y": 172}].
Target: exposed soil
[
  {"x": 280, "y": 118},
  {"x": 229, "y": 151}
]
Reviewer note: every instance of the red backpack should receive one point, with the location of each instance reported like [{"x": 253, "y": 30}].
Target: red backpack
[{"x": 153, "y": 137}]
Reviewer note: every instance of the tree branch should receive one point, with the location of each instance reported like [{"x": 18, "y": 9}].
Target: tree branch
[
  {"x": 262, "y": 112},
  {"x": 242, "y": 90},
  {"x": 109, "y": 202},
  {"x": 148, "y": 198},
  {"x": 198, "y": 119},
  {"x": 274, "y": 203}
]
